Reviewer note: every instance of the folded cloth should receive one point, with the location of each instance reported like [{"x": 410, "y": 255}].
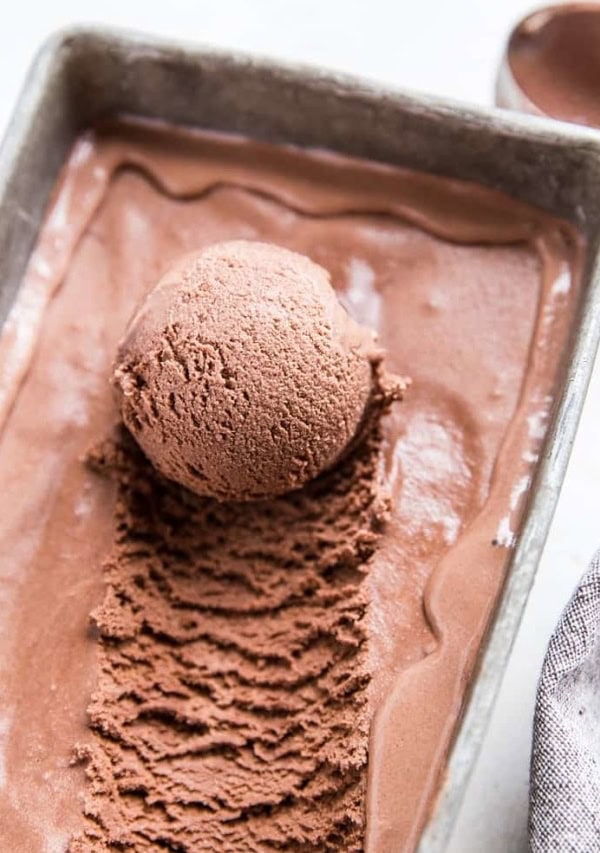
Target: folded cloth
[{"x": 564, "y": 809}]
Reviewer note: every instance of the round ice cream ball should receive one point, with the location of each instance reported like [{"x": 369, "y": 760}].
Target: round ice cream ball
[{"x": 241, "y": 376}]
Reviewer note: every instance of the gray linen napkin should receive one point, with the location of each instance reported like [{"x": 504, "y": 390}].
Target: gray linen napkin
[{"x": 564, "y": 811}]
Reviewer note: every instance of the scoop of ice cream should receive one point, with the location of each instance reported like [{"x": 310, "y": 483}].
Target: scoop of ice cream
[{"x": 242, "y": 376}]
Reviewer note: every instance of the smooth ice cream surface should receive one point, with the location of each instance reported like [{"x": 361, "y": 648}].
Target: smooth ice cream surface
[
  {"x": 242, "y": 376},
  {"x": 288, "y": 672},
  {"x": 554, "y": 56}
]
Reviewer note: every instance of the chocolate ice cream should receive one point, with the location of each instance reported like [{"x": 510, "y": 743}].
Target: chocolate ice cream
[
  {"x": 244, "y": 723},
  {"x": 553, "y": 56},
  {"x": 243, "y": 377},
  {"x": 285, "y": 673}
]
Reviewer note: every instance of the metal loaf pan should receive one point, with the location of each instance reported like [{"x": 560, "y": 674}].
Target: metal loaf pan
[{"x": 81, "y": 75}]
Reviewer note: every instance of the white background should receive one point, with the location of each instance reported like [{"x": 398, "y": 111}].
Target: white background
[{"x": 449, "y": 47}]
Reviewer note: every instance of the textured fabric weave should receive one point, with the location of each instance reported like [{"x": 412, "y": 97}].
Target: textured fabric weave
[{"x": 564, "y": 810}]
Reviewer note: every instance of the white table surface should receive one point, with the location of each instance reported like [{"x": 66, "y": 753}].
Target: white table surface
[{"x": 448, "y": 47}]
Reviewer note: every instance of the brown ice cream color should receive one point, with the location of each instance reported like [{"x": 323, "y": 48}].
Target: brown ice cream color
[
  {"x": 245, "y": 659},
  {"x": 242, "y": 376},
  {"x": 554, "y": 56}
]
